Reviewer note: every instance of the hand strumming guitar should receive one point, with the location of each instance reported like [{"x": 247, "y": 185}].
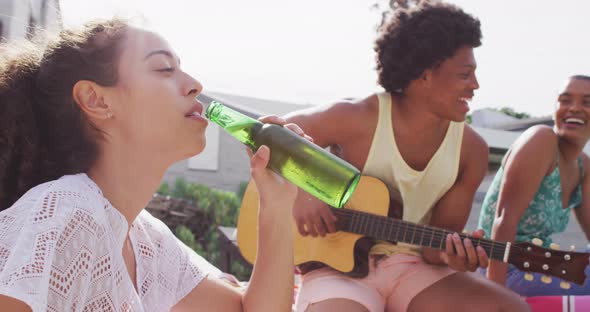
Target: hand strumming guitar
[{"x": 313, "y": 216}]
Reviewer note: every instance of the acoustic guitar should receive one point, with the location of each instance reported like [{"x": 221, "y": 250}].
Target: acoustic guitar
[{"x": 365, "y": 216}]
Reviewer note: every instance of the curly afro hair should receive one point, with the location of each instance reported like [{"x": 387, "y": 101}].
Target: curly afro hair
[
  {"x": 580, "y": 77},
  {"x": 416, "y": 39}
]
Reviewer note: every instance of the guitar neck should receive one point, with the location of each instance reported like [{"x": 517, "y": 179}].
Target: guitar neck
[{"x": 390, "y": 229}]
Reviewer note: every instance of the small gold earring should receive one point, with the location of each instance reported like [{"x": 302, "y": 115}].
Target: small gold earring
[{"x": 109, "y": 115}]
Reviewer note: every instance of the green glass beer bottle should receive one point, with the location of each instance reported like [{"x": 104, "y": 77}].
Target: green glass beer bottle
[{"x": 305, "y": 164}]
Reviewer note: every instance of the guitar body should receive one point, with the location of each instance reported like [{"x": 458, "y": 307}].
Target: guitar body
[{"x": 336, "y": 250}]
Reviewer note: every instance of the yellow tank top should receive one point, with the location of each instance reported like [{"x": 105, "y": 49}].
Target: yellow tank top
[{"x": 417, "y": 190}]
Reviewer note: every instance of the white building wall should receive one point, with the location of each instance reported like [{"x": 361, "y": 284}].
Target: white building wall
[
  {"x": 209, "y": 158},
  {"x": 47, "y": 14},
  {"x": 16, "y": 16},
  {"x": 6, "y": 13},
  {"x": 488, "y": 118},
  {"x": 500, "y": 139},
  {"x": 19, "y": 20}
]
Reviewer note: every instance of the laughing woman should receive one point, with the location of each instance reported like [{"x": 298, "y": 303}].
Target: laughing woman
[
  {"x": 543, "y": 178},
  {"x": 89, "y": 124}
]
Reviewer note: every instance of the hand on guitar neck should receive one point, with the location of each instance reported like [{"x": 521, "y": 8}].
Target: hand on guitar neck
[{"x": 460, "y": 254}]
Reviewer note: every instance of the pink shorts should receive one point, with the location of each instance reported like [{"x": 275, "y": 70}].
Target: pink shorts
[{"x": 389, "y": 287}]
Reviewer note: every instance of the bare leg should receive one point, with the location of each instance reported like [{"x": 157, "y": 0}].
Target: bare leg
[
  {"x": 336, "y": 305},
  {"x": 467, "y": 292}
]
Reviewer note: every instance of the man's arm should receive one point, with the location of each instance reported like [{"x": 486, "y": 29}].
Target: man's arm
[
  {"x": 452, "y": 210},
  {"x": 328, "y": 126}
]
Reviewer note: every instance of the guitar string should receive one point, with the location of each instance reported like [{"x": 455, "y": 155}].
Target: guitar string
[
  {"x": 497, "y": 253},
  {"x": 349, "y": 217},
  {"x": 421, "y": 230},
  {"x": 424, "y": 230},
  {"x": 404, "y": 226}
]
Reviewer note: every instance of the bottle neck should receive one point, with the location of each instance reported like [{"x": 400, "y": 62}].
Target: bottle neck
[
  {"x": 240, "y": 126},
  {"x": 225, "y": 116}
]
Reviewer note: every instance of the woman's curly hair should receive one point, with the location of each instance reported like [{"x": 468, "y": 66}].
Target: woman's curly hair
[
  {"x": 44, "y": 134},
  {"x": 416, "y": 39}
]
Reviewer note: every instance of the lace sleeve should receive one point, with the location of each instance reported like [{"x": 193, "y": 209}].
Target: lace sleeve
[
  {"x": 181, "y": 268},
  {"x": 46, "y": 251},
  {"x": 193, "y": 269}
]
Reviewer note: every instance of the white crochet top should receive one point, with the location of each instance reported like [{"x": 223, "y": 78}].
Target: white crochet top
[{"x": 61, "y": 250}]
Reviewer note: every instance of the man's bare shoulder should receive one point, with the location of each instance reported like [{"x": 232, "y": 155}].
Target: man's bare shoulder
[
  {"x": 332, "y": 123},
  {"x": 347, "y": 108},
  {"x": 473, "y": 140},
  {"x": 474, "y": 153}
]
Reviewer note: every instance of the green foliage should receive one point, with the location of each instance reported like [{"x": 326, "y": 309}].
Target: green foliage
[
  {"x": 164, "y": 189},
  {"x": 242, "y": 190},
  {"x": 181, "y": 189},
  {"x": 221, "y": 209},
  {"x": 241, "y": 272},
  {"x": 468, "y": 119},
  {"x": 222, "y": 205},
  {"x": 511, "y": 112},
  {"x": 186, "y": 236}
]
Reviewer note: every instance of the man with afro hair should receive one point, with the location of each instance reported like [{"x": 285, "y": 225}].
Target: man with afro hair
[{"x": 414, "y": 138}]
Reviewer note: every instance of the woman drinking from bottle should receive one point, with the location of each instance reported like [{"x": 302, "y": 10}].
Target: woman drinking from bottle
[{"x": 90, "y": 123}]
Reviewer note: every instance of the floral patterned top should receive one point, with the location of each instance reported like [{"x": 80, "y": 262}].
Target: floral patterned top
[{"x": 545, "y": 214}]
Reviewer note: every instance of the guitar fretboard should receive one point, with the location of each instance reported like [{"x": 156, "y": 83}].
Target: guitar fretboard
[{"x": 384, "y": 228}]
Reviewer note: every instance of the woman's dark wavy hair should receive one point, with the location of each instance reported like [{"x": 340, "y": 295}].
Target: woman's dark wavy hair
[
  {"x": 44, "y": 134},
  {"x": 416, "y": 39}
]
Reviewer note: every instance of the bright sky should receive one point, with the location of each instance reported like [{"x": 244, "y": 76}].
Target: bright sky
[{"x": 319, "y": 51}]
